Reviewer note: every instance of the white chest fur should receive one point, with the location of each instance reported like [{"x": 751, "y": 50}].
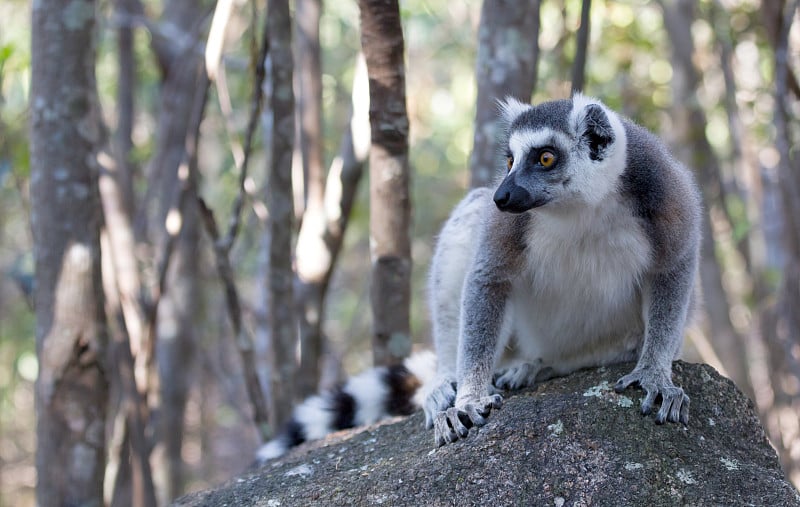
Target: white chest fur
[{"x": 580, "y": 301}]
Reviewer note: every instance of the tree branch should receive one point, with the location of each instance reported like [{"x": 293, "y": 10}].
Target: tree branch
[
  {"x": 222, "y": 244},
  {"x": 243, "y": 342}
]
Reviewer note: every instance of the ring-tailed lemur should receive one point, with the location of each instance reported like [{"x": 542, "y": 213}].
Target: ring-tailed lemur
[{"x": 584, "y": 255}]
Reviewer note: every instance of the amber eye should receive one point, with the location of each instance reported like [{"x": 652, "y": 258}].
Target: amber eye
[
  {"x": 509, "y": 162},
  {"x": 546, "y": 158}
]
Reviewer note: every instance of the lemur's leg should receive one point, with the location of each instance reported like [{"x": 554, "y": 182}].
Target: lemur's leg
[
  {"x": 446, "y": 313},
  {"x": 484, "y": 310},
  {"x": 485, "y": 323},
  {"x": 665, "y": 308},
  {"x": 451, "y": 260}
]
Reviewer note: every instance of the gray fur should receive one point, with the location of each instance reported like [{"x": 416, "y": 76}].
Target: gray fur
[{"x": 591, "y": 261}]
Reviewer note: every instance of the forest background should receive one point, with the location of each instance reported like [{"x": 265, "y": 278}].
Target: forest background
[{"x": 717, "y": 79}]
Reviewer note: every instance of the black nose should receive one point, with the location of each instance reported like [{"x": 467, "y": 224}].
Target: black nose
[
  {"x": 512, "y": 198},
  {"x": 502, "y": 198}
]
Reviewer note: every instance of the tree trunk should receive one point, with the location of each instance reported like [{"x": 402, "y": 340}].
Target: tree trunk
[
  {"x": 311, "y": 250},
  {"x": 173, "y": 178},
  {"x": 695, "y": 150},
  {"x": 579, "y": 65},
  {"x": 279, "y": 204},
  {"x": 390, "y": 201},
  {"x": 125, "y": 106},
  {"x": 784, "y": 331},
  {"x": 322, "y": 233},
  {"x": 66, "y": 131},
  {"x": 129, "y": 456},
  {"x": 508, "y": 55},
  {"x": 734, "y": 191},
  {"x": 773, "y": 15},
  {"x": 177, "y": 313},
  {"x": 309, "y": 100}
]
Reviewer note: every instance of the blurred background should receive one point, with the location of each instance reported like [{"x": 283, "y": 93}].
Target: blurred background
[{"x": 717, "y": 79}]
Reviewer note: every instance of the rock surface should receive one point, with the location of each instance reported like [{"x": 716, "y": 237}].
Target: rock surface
[{"x": 568, "y": 441}]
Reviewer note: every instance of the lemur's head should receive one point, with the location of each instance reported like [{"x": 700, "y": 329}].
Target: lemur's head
[{"x": 564, "y": 151}]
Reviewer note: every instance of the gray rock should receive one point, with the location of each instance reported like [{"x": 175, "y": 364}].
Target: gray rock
[{"x": 568, "y": 441}]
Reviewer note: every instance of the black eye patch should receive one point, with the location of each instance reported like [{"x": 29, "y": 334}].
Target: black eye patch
[{"x": 543, "y": 158}]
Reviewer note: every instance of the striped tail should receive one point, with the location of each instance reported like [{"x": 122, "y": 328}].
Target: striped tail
[{"x": 364, "y": 399}]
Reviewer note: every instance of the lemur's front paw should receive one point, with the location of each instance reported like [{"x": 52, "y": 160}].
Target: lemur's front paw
[
  {"x": 455, "y": 422},
  {"x": 440, "y": 397},
  {"x": 674, "y": 402}
]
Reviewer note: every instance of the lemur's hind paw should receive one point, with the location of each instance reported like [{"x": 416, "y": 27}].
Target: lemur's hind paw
[
  {"x": 674, "y": 402},
  {"x": 455, "y": 422},
  {"x": 518, "y": 376},
  {"x": 441, "y": 396}
]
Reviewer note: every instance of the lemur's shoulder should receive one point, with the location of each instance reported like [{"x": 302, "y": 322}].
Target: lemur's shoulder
[{"x": 662, "y": 192}]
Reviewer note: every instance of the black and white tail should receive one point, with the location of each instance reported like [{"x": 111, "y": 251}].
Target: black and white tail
[{"x": 364, "y": 399}]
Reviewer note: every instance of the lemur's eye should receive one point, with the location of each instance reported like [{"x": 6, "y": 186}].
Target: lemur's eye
[
  {"x": 509, "y": 161},
  {"x": 546, "y": 158}
]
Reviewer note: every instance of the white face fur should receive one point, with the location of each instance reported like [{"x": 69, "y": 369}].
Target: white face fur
[{"x": 578, "y": 176}]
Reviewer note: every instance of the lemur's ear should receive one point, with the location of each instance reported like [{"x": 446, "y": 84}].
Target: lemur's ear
[
  {"x": 595, "y": 128},
  {"x": 510, "y": 108}
]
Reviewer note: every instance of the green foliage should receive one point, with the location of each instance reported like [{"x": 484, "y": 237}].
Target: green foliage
[
  {"x": 737, "y": 210},
  {"x": 5, "y": 54},
  {"x": 16, "y": 318}
]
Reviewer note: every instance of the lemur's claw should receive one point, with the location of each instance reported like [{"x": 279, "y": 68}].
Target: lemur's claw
[
  {"x": 440, "y": 397},
  {"x": 455, "y": 422},
  {"x": 656, "y": 384}
]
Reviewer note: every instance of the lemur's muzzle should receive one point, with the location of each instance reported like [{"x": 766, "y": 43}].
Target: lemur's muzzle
[{"x": 512, "y": 198}]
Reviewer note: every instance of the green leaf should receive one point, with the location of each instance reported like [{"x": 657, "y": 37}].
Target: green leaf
[{"x": 5, "y": 52}]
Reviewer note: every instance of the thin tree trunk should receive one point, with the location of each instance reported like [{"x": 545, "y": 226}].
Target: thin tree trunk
[
  {"x": 177, "y": 323},
  {"x": 279, "y": 204},
  {"x": 173, "y": 174},
  {"x": 320, "y": 239},
  {"x": 122, "y": 487},
  {"x": 129, "y": 459},
  {"x": 579, "y": 65},
  {"x": 309, "y": 98},
  {"x": 124, "y": 290},
  {"x": 133, "y": 484},
  {"x": 390, "y": 200},
  {"x": 773, "y": 15},
  {"x": 125, "y": 105},
  {"x": 784, "y": 331},
  {"x": 311, "y": 250},
  {"x": 695, "y": 149},
  {"x": 66, "y": 131},
  {"x": 742, "y": 160},
  {"x": 508, "y": 56},
  {"x": 137, "y": 327},
  {"x": 789, "y": 178}
]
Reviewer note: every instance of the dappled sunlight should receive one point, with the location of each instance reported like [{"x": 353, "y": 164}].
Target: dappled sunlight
[
  {"x": 173, "y": 222},
  {"x": 724, "y": 125}
]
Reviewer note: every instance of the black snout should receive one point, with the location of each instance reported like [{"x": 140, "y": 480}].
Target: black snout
[{"x": 513, "y": 198}]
